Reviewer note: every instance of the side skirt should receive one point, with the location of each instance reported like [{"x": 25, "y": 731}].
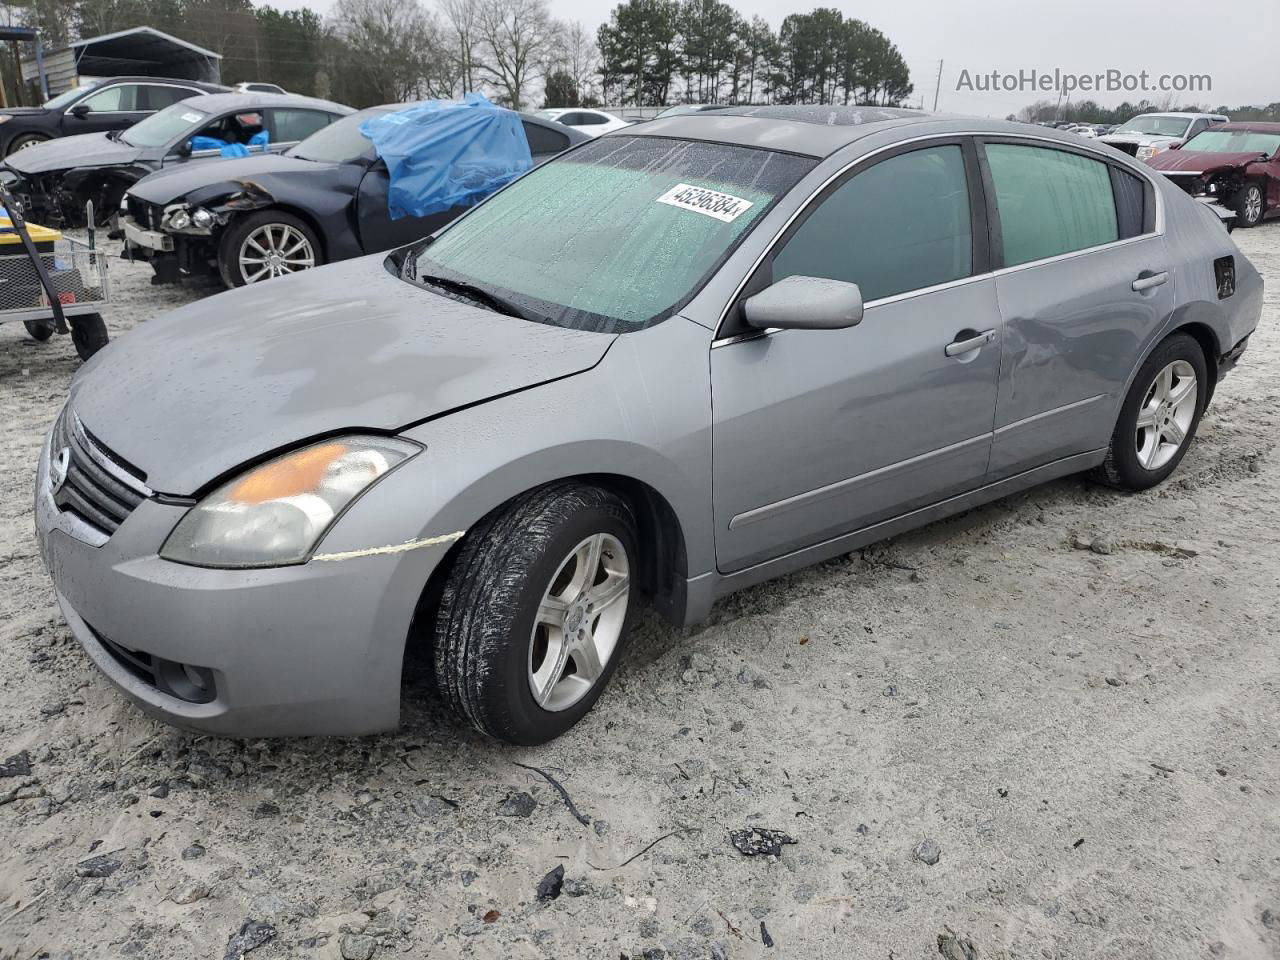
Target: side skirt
[{"x": 702, "y": 591}]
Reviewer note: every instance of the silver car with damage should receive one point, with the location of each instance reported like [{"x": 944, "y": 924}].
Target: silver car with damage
[{"x": 672, "y": 363}]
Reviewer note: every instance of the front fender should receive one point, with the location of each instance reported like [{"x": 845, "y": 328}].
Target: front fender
[{"x": 643, "y": 413}]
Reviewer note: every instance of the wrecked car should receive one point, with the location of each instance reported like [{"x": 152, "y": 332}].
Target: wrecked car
[
  {"x": 1150, "y": 134},
  {"x": 1235, "y": 165},
  {"x": 326, "y": 199},
  {"x": 55, "y": 180},
  {"x": 673, "y": 362}
]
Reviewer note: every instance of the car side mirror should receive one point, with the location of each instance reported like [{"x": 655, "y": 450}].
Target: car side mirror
[
  {"x": 183, "y": 149},
  {"x": 1175, "y": 146},
  {"x": 79, "y": 111},
  {"x": 805, "y": 303}
]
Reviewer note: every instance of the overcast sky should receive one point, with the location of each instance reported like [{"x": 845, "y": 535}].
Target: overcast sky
[{"x": 1083, "y": 37}]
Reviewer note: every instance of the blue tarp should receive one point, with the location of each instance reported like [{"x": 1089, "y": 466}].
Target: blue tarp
[
  {"x": 259, "y": 139},
  {"x": 445, "y": 153}
]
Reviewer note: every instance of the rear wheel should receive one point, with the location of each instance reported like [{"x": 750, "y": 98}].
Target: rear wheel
[
  {"x": 40, "y": 330},
  {"x": 536, "y": 612},
  {"x": 88, "y": 334},
  {"x": 24, "y": 141},
  {"x": 266, "y": 244},
  {"x": 1248, "y": 205},
  {"x": 1159, "y": 417}
]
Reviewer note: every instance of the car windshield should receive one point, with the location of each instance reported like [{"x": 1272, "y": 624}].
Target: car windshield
[
  {"x": 62, "y": 99},
  {"x": 340, "y": 142},
  {"x": 170, "y": 124},
  {"x": 1160, "y": 126},
  {"x": 1234, "y": 141},
  {"x": 614, "y": 236}
]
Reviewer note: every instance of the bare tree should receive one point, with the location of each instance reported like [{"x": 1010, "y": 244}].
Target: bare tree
[
  {"x": 394, "y": 44},
  {"x": 463, "y": 26},
  {"x": 518, "y": 36},
  {"x": 577, "y": 55}
]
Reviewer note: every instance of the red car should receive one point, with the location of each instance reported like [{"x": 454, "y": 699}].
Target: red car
[{"x": 1234, "y": 164}]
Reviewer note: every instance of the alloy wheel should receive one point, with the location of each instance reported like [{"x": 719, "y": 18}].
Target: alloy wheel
[
  {"x": 1165, "y": 417},
  {"x": 579, "y": 622},
  {"x": 1253, "y": 204},
  {"x": 274, "y": 250}
]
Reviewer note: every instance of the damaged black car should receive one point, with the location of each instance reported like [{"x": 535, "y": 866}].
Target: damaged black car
[
  {"x": 55, "y": 180},
  {"x": 324, "y": 200}
]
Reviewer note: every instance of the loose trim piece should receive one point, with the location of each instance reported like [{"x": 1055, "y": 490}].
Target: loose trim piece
[{"x": 392, "y": 548}]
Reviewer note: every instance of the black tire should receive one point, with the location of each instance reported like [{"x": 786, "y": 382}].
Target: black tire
[
  {"x": 1247, "y": 197},
  {"x": 234, "y": 236},
  {"x": 485, "y": 625},
  {"x": 24, "y": 140},
  {"x": 38, "y": 329},
  {"x": 88, "y": 334},
  {"x": 1122, "y": 467}
]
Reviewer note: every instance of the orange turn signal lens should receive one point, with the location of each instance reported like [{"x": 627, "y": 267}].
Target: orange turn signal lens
[{"x": 289, "y": 476}]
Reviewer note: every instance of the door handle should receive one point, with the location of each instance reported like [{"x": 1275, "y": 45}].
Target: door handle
[
  {"x": 1149, "y": 281},
  {"x": 958, "y": 348}
]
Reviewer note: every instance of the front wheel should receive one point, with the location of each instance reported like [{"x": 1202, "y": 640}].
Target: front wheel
[
  {"x": 266, "y": 244},
  {"x": 536, "y": 611},
  {"x": 1248, "y": 205},
  {"x": 40, "y": 330},
  {"x": 1159, "y": 417}
]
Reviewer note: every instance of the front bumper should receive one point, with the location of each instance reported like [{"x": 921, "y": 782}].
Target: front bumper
[
  {"x": 313, "y": 649},
  {"x": 151, "y": 239}
]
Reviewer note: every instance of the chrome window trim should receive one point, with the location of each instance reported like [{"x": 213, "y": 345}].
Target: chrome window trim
[{"x": 1084, "y": 146}]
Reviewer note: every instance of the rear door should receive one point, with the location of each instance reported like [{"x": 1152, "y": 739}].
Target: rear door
[
  {"x": 1083, "y": 281},
  {"x": 818, "y": 433}
]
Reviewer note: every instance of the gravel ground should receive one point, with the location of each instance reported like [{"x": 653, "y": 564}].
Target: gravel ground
[{"x": 1046, "y": 728}]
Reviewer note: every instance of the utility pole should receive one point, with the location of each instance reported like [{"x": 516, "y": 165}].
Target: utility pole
[{"x": 937, "y": 87}]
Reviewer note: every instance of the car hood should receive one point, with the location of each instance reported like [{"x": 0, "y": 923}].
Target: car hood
[
  {"x": 23, "y": 111},
  {"x": 1200, "y": 161},
  {"x": 1141, "y": 139},
  {"x": 64, "y": 153},
  {"x": 175, "y": 183},
  {"x": 190, "y": 397}
]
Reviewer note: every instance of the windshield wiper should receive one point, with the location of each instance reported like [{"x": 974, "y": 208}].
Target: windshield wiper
[{"x": 479, "y": 294}]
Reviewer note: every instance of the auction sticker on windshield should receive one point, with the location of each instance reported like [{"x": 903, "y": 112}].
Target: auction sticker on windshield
[
  {"x": 711, "y": 203},
  {"x": 192, "y": 117}
]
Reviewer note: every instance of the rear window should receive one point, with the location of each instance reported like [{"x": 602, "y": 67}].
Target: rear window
[{"x": 615, "y": 235}]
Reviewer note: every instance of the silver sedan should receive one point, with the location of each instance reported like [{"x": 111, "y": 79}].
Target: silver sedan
[{"x": 679, "y": 360}]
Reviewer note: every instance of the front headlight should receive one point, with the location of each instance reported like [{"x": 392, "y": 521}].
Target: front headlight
[{"x": 276, "y": 513}]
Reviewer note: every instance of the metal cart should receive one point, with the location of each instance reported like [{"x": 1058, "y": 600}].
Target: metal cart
[{"x": 76, "y": 274}]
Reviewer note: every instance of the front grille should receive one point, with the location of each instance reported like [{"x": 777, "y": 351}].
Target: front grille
[
  {"x": 1130, "y": 148},
  {"x": 88, "y": 480},
  {"x": 143, "y": 213}
]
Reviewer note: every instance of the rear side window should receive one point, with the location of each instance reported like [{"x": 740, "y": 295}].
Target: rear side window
[
  {"x": 542, "y": 140},
  {"x": 1131, "y": 201},
  {"x": 159, "y": 97},
  {"x": 1050, "y": 201},
  {"x": 900, "y": 225},
  {"x": 291, "y": 126}
]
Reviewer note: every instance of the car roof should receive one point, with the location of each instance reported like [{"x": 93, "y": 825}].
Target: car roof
[
  {"x": 819, "y": 131},
  {"x": 203, "y": 85},
  {"x": 218, "y": 102},
  {"x": 1179, "y": 115},
  {"x": 1255, "y": 126}
]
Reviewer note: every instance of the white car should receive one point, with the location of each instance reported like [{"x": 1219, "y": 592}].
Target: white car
[
  {"x": 1083, "y": 130},
  {"x": 591, "y": 122},
  {"x": 1149, "y": 134}
]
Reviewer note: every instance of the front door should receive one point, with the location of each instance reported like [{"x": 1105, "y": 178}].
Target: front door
[
  {"x": 820, "y": 433},
  {"x": 1084, "y": 285}
]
